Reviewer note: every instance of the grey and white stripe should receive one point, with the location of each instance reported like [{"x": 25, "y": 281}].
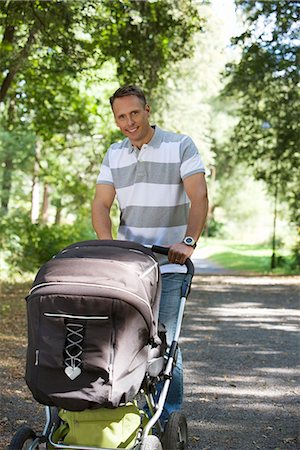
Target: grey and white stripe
[{"x": 149, "y": 186}]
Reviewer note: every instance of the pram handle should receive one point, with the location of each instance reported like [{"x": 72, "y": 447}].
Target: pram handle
[{"x": 165, "y": 251}]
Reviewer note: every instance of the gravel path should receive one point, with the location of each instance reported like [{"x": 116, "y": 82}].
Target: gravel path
[
  {"x": 206, "y": 267},
  {"x": 240, "y": 341}
]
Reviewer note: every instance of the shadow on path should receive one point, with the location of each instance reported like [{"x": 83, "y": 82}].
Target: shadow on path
[{"x": 240, "y": 342}]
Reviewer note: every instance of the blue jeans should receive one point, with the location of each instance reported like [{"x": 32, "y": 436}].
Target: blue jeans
[{"x": 168, "y": 313}]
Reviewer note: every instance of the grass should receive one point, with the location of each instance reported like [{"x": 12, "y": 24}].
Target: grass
[
  {"x": 246, "y": 257},
  {"x": 232, "y": 255}
]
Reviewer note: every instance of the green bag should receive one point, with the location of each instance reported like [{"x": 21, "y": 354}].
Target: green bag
[{"x": 112, "y": 428}]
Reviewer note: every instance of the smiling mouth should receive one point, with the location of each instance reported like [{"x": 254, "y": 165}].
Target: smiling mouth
[{"x": 132, "y": 130}]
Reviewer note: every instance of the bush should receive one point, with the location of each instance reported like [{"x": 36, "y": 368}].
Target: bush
[
  {"x": 27, "y": 246},
  {"x": 214, "y": 228},
  {"x": 290, "y": 262},
  {"x": 296, "y": 254}
]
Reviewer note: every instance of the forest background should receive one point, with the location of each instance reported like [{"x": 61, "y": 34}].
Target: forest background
[{"x": 232, "y": 85}]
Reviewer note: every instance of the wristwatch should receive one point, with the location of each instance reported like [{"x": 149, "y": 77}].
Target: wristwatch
[{"x": 188, "y": 240}]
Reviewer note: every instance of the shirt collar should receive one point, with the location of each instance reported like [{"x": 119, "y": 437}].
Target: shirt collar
[{"x": 154, "y": 142}]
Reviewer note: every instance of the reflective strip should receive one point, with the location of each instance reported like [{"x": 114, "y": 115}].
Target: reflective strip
[
  {"x": 71, "y": 316},
  {"x": 57, "y": 283}
]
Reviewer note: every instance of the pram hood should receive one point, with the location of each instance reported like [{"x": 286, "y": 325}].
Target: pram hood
[
  {"x": 106, "y": 294},
  {"x": 106, "y": 268}
]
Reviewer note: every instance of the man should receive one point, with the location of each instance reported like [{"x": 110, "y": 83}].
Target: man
[{"x": 158, "y": 178}]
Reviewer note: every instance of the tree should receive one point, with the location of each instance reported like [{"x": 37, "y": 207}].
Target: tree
[
  {"x": 263, "y": 82},
  {"x": 60, "y": 61},
  {"x": 62, "y": 38},
  {"x": 51, "y": 50},
  {"x": 148, "y": 37}
]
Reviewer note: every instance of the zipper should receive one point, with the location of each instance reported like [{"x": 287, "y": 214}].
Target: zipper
[
  {"x": 72, "y": 316},
  {"x": 150, "y": 270},
  {"x": 134, "y": 251},
  {"x": 155, "y": 265},
  {"x": 74, "y": 283}
]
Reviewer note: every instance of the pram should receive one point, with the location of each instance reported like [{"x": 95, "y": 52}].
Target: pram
[{"x": 95, "y": 344}]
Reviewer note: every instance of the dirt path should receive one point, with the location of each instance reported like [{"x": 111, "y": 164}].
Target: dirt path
[
  {"x": 16, "y": 404},
  {"x": 241, "y": 342},
  {"x": 241, "y": 345}
]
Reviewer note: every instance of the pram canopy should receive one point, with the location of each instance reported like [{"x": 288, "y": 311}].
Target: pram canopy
[{"x": 92, "y": 321}]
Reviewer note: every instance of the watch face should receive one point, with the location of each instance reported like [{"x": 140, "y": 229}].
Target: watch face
[{"x": 188, "y": 240}]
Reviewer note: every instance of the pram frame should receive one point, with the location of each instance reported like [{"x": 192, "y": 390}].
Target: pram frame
[{"x": 156, "y": 408}]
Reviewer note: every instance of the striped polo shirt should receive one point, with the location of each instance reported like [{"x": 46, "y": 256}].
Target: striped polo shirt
[{"x": 149, "y": 187}]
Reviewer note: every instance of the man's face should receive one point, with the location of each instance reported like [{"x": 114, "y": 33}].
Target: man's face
[{"x": 132, "y": 117}]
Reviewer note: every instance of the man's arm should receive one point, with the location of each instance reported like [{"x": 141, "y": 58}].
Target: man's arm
[
  {"x": 103, "y": 200},
  {"x": 195, "y": 187}
]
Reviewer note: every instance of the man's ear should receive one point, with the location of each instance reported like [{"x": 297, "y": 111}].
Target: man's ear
[{"x": 147, "y": 108}]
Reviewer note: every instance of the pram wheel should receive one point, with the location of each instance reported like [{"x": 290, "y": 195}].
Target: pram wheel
[
  {"x": 151, "y": 443},
  {"x": 176, "y": 434},
  {"x": 23, "y": 439}
]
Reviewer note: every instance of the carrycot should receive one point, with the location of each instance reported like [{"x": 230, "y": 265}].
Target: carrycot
[{"x": 92, "y": 322}]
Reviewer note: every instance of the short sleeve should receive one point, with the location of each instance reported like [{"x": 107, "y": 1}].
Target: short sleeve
[
  {"x": 191, "y": 161},
  {"x": 105, "y": 175}
]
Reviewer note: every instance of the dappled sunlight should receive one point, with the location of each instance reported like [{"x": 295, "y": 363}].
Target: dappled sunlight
[
  {"x": 260, "y": 316},
  {"x": 214, "y": 426},
  {"x": 238, "y": 378},
  {"x": 11, "y": 338},
  {"x": 281, "y": 371},
  {"x": 246, "y": 281},
  {"x": 222, "y": 73},
  {"x": 23, "y": 394},
  {"x": 266, "y": 352},
  {"x": 229, "y": 391},
  {"x": 202, "y": 328},
  {"x": 20, "y": 340},
  {"x": 263, "y": 280},
  {"x": 275, "y": 327},
  {"x": 260, "y": 378},
  {"x": 234, "y": 310},
  {"x": 240, "y": 343}
]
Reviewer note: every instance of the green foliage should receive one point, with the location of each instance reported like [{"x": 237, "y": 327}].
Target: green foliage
[
  {"x": 60, "y": 61},
  {"x": 214, "y": 228},
  {"x": 16, "y": 152},
  {"x": 296, "y": 255},
  {"x": 234, "y": 255},
  {"x": 29, "y": 245},
  {"x": 263, "y": 82},
  {"x": 57, "y": 41},
  {"x": 145, "y": 37},
  {"x": 4, "y": 310}
]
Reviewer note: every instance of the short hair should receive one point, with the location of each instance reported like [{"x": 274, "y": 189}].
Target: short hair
[{"x": 124, "y": 91}]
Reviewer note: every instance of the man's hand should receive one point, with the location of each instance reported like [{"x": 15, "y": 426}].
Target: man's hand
[{"x": 178, "y": 253}]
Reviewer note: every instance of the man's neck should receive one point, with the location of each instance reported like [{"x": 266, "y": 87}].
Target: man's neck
[{"x": 145, "y": 140}]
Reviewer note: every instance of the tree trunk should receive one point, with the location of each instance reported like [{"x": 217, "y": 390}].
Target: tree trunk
[
  {"x": 45, "y": 205},
  {"x": 8, "y": 163},
  {"x": 6, "y": 182},
  {"x": 58, "y": 215},
  {"x": 211, "y": 206},
  {"x": 18, "y": 59},
  {"x": 273, "y": 257},
  {"x": 35, "y": 190}
]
